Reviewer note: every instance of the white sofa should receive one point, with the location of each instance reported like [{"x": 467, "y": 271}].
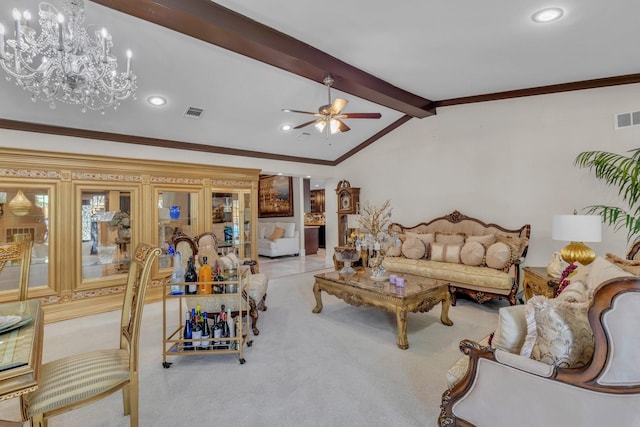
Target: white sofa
[
  {"x": 572, "y": 360},
  {"x": 288, "y": 244}
]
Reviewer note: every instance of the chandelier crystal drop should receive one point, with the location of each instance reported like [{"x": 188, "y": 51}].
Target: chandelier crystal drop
[{"x": 66, "y": 62}]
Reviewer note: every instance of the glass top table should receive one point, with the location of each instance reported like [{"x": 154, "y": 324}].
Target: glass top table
[
  {"x": 419, "y": 294},
  {"x": 21, "y": 348}
]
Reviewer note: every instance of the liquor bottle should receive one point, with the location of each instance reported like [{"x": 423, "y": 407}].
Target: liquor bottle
[
  {"x": 204, "y": 275},
  {"x": 205, "y": 332},
  {"x": 191, "y": 277},
  {"x": 177, "y": 275},
  {"x": 188, "y": 345}
]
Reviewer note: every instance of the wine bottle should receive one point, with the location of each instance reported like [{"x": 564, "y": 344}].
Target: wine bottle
[
  {"x": 225, "y": 325},
  {"x": 196, "y": 332},
  {"x": 188, "y": 345},
  {"x": 191, "y": 277},
  {"x": 204, "y": 277},
  {"x": 230, "y": 328},
  {"x": 216, "y": 331},
  {"x": 205, "y": 332}
]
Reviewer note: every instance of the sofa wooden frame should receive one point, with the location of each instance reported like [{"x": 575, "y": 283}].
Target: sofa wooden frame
[{"x": 586, "y": 378}]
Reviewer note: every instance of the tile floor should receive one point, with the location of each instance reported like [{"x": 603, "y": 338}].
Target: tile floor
[{"x": 288, "y": 265}]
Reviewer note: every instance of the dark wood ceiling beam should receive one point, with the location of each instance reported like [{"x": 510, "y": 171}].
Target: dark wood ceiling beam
[
  {"x": 215, "y": 24},
  {"x": 152, "y": 142},
  {"x": 543, "y": 90}
]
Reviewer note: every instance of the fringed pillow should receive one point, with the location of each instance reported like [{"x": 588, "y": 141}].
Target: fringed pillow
[{"x": 558, "y": 332}]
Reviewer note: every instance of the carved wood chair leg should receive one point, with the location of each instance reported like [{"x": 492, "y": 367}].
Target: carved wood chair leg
[
  {"x": 261, "y": 305},
  {"x": 253, "y": 313}
]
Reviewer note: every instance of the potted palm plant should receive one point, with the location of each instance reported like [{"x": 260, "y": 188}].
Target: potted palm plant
[{"x": 623, "y": 173}]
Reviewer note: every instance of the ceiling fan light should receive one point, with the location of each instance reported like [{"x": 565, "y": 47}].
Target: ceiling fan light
[
  {"x": 320, "y": 125},
  {"x": 334, "y": 125}
]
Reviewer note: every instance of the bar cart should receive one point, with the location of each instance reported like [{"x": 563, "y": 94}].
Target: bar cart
[{"x": 229, "y": 291}]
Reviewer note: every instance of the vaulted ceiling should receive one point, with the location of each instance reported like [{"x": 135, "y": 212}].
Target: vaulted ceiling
[{"x": 242, "y": 62}]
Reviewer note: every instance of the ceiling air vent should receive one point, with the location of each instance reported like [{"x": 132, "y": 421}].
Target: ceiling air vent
[
  {"x": 623, "y": 120},
  {"x": 193, "y": 113}
]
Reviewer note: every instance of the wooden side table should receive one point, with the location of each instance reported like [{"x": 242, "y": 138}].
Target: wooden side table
[{"x": 536, "y": 281}]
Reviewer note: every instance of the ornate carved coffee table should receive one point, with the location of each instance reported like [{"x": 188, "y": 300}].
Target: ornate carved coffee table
[{"x": 419, "y": 294}]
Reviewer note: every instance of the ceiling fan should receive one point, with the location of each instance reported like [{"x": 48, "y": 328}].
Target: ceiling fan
[{"x": 330, "y": 116}]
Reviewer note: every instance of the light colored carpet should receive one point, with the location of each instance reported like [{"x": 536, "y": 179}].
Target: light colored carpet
[{"x": 340, "y": 367}]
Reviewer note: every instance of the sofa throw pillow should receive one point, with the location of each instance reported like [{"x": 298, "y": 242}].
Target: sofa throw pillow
[
  {"x": 446, "y": 252},
  {"x": 498, "y": 256},
  {"x": 413, "y": 248},
  {"x": 574, "y": 292},
  {"x": 268, "y": 229},
  {"x": 558, "y": 332},
  {"x": 512, "y": 329},
  {"x": 427, "y": 238},
  {"x": 262, "y": 228},
  {"x": 627, "y": 265},
  {"x": 288, "y": 227},
  {"x": 452, "y": 238},
  {"x": 391, "y": 248},
  {"x": 277, "y": 234},
  {"x": 518, "y": 244},
  {"x": 486, "y": 240},
  {"x": 472, "y": 253},
  {"x": 601, "y": 271},
  {"x": 224, "y": 263}
]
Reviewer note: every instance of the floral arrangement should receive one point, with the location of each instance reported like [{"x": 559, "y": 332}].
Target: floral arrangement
[
  {"x": 564, "y": 281},
  {"x": 375, "y": 220}
]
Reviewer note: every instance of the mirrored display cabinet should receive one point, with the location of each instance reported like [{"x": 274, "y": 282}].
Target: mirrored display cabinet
[
  {"x": 85, "y": 215},
  {"x": 25, "y": 214}
]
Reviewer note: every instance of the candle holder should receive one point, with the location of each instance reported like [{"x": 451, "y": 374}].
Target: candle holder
[{"x": 347, "y": 255}]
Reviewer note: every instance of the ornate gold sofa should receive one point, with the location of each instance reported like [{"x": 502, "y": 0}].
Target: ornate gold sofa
[
  {"x": 584, "y": 372},
  {"x": 483, "y": 262}
]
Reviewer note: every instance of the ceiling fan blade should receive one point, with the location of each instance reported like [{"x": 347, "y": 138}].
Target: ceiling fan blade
[
  {"x": 289, "y": 110},
  {"x": 361, "y": 115},
  {"x": 306, "y": 124},
  {"x": 342, "y": 127},
  {"x": 337, "y": 106}
]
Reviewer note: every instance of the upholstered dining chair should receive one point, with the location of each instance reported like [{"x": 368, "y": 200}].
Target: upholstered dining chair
[
  {"x": 18, "y": 251},
  {"x": 75, "y": 381}
]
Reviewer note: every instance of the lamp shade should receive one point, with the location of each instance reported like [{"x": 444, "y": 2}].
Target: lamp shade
[
  {"x": 577, "y": 228},
  {"x": 353, "y": 221}
]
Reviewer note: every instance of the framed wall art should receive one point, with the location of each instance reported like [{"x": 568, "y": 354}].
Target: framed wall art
[{"x": 275, "y": 196}]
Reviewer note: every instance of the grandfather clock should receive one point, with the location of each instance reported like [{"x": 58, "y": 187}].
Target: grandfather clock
[{"x": 348, "y": 204}]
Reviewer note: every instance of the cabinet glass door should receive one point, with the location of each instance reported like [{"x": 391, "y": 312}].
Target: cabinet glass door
[
  {"x": 106, "y": 232},
  {"x": 231, "y": 222},
  {"x": 24, "y": 216},
  {"x": 177, "y": 214}
]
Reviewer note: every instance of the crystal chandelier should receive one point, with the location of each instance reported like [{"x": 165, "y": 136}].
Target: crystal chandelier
[{"x": 64, "y": 63}]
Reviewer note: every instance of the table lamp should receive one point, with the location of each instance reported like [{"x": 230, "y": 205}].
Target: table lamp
[
  {"x": 577, "y": 229},
  {"x": 353, "y": 224}
]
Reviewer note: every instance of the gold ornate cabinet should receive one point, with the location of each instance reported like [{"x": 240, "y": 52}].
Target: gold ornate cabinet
[{"x": 87, "y": 212}]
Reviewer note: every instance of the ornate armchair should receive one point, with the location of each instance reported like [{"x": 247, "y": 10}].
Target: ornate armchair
[{"x": 503, "y": 388}]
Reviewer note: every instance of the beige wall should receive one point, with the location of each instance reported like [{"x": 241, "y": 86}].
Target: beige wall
[{"x": 509, "y": 162}]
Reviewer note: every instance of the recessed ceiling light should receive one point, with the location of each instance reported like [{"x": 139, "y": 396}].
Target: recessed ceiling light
[
  {"x": 157, "y": 101},
  {"x": 286, "y": 127},
  {"x": 547, "y": 15}
]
